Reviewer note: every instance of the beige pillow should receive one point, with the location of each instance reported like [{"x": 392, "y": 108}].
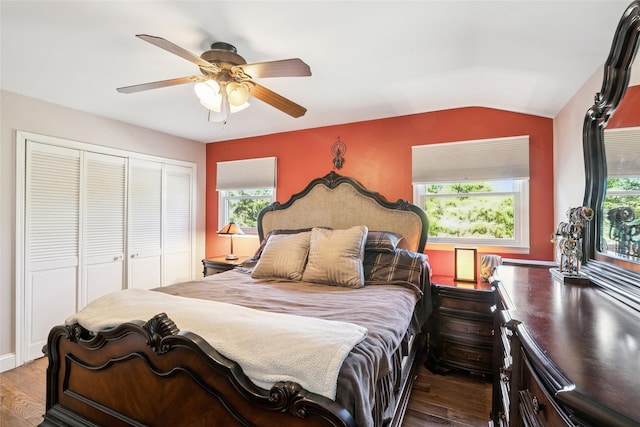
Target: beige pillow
[
  {"x": 335, "y": 257},
  {"x": 283, "y": 257}
]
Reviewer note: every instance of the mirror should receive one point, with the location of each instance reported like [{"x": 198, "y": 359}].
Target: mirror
[
  {"x": 611, "y": 141},
  {"x": 620, "y": 232}
]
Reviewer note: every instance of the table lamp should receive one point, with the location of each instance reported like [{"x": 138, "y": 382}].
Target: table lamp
[{"x": 231, "y": 229}]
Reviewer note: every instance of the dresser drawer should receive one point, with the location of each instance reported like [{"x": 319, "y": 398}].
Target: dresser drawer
[
  {"x": 472, "y": 305},
  {"x": 467, "y": 356},
  {"x": 472, "y": 329},
  {"x": 536, "y": 406}
]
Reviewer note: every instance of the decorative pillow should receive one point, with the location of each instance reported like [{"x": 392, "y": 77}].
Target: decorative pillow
[
  {"x": 398, "y": 266},
  {"x": 383, "y": 241},
  {"x": 335, "y": 257},
  {"x": 258, "y": 252},
  {"x": 283, "y": 257}
]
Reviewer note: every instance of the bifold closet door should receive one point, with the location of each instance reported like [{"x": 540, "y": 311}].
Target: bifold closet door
[
  {"x": 144, "y": 246},
  {"x": 104, "y": 218},
  {"x": 52, "y": 226},
  {"x": 178, "y": 230}
]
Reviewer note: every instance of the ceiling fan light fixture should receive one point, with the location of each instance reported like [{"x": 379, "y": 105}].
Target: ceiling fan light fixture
[
  {"x": 216, "y": 107},
  {"x": 217, "y": 117},
  {"x": 238, "y": 93},
  {"x": 212, "y": 97},
  {"x": 209, "y": 93}
]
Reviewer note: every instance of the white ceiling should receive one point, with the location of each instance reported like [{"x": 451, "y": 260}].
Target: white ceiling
[{"x": 369, "y": 59}]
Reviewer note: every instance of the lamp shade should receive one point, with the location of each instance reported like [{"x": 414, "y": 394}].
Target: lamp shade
[
  {"x": 231, "y": 228},
  {"x": 466, "y": 264},
  {"x": 238, "y": 94}
]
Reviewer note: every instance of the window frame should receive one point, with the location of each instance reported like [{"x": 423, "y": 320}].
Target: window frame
[
  {"x": 223, "y": 206},
  {"x": 521, "y": 225}
]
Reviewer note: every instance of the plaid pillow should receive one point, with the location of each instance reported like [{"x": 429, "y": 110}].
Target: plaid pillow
[
  {"x": 384, "y": 241},
  {"x": 398, "y": 266}
]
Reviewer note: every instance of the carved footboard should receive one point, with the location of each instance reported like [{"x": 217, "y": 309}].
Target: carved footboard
[{"x": 152, "y": 374}]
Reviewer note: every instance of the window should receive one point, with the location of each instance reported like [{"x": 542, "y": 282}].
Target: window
[
  {"x": 475, "y": 192},
  {"x": 487, "y": 213},
  {"x": 243, "y": 206},
  {"x": 244, "y": 188}
]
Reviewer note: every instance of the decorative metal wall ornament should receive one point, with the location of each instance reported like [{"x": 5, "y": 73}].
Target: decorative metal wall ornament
[{"x": 338, "y": 149}]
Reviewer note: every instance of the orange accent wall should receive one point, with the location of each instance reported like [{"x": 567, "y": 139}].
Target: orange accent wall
[{"x": 379, "y": 156}]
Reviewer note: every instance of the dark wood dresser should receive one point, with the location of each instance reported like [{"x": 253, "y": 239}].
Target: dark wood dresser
[
  {"x": 569, "y": 354},
  {"x": 461, "y": 328}
]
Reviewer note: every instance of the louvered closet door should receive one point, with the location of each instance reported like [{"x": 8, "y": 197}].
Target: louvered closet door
[
  {"x": 52, "y": 210},
  {"x": 178, "y": 233},
  {"x": 104, "y": 226},
  {"x": 144, "y": 246}
]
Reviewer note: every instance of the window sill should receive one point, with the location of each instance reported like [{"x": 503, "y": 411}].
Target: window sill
[{"x": 481, "y": 248}]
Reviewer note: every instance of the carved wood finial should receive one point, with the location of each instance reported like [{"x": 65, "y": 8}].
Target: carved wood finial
[
  {"x": 331, "y": 179},
  {"x": 158, "y": 327},
  {"x": 284, "y": 396},
  {"x": 77, "y": 333}
]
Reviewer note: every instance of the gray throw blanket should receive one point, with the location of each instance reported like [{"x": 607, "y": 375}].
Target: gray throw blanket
[{"x": 257, "y": 340}]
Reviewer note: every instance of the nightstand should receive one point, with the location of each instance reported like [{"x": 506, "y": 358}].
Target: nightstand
[
  {"x": 218, "y": 264},
  {"x": 461, "y": 328}
]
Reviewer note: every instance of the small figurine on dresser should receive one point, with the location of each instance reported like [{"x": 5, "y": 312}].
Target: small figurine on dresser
[
  {"x": 568, "y": 241},
  {"x": 488, "y": 266}
]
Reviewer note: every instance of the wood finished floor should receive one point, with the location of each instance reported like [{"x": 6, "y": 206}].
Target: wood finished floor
[{"x": 455, "y": 400}]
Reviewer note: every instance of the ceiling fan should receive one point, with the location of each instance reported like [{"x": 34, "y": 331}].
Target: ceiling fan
[{"x": 227, "y": 80}]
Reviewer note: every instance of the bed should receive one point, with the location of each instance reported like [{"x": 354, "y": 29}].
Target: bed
[{"x": 321, "y": 327}]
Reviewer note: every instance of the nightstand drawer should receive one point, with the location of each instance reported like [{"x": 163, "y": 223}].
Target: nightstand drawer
[
  {"x": 467, "y": 356},
  {"x": 474, "y": 305},
  {"x": 469, "y": 328}
]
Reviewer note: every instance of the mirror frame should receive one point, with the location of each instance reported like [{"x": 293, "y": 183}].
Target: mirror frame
[{"x": 616, "y": 276}]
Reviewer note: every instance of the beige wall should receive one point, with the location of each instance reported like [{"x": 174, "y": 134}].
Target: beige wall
[
  {"x": 27, "y": 114},
  {"x": 568, "y": 158}
]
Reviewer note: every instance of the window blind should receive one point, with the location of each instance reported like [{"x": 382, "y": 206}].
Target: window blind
[
  {"x": 487, "y": 159},
  {"x": 622, "y": 153},
  {"x": 246, "y": 174}
]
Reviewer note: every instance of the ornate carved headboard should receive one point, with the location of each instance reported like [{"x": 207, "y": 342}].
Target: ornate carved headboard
[{"x": 340, "y": 202}]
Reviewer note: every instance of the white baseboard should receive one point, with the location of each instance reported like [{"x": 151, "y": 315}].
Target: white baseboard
[{"x": 7, "y": 362}]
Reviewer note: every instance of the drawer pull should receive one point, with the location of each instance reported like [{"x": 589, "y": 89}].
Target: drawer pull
[
  {"x": 505, "y": 375},
  {"x": 473, "y": 357},
  {"x": 472, "y": 330},
  {"x": 537, "y": 406}
]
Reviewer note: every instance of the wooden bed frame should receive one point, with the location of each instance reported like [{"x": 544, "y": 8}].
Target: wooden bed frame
[{"x": 154, "y": 374}]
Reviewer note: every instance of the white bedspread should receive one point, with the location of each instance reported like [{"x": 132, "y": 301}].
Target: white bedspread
[{"x": 270, "y": 347}]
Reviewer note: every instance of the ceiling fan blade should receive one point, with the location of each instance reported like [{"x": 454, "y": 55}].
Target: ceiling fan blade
[
  {"x": 176, "y": 50},
  {"x": 158, "y": 84},
  {"x": 294, "y": 67},
  {"x": 277, "y": 101}
]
